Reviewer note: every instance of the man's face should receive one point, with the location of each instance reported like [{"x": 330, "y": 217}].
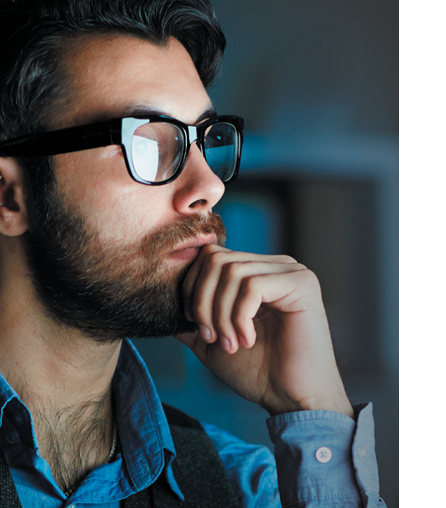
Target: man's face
[{"x": 111, "y": 247}]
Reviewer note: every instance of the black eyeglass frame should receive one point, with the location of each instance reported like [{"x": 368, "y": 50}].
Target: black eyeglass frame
[{"x": 119, "y": 131}]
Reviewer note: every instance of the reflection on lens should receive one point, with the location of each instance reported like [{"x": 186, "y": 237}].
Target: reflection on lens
[
  {"x": 145, "y": 157},
  {"x": 157, "y": 149},
  {"x": 220, "y": 146}
]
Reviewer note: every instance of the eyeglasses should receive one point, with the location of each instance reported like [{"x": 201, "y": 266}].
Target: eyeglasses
[{"x": 155, "y": 147}]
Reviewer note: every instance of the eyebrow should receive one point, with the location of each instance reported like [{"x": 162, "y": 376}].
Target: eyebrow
[{"x": 147, "y": 110}]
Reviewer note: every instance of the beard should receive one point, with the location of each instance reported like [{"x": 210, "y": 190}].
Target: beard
[{"x": 106, "y": 290}]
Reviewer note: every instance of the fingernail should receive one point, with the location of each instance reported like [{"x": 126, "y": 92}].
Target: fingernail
[
  {"x": 225, "y": 344},
  {"x": 205, "y": 333}
]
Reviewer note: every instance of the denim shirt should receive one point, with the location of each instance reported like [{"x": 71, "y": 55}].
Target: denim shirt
[{"x": 324, "y": 459}]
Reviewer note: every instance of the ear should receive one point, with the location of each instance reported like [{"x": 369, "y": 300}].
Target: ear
[{"x": 13, "y": 210}]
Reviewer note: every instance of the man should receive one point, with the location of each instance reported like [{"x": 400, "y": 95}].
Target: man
[{"x": 111, "y": 160}]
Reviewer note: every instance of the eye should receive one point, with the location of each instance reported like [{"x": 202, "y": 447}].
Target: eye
[
  {"x": 143, "y": 146},
  {"x": 145, "y": 155}
]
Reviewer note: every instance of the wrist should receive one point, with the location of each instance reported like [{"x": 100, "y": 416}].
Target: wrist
[{"x": 339, "y": 405}]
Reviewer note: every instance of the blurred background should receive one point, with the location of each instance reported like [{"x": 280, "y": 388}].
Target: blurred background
[{"x": 317, "y": 84}]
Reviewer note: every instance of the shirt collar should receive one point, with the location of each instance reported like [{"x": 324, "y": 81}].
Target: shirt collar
[
  {"x": 6, "y": 395},
  {"x": 146, "y": 443},
  {"x": 146, "y": 440},
  {"x": 12, "y": 407}
]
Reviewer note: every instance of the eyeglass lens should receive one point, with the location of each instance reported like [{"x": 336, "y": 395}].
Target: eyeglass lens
[
  {"x": 220, "y": 149},
  {"x": 157, "y": 150}
]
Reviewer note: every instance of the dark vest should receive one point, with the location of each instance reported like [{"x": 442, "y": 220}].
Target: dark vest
[{"x": 198, "y": 470}]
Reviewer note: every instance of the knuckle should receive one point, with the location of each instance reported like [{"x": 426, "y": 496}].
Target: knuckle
[
  {"x": 251, "y": 284},
  {"x": 309, "y": 278},
  {"x": 232, "y": 270},
  {"x": 215, "y": 258},
  {"x": 284, "y": 258}
]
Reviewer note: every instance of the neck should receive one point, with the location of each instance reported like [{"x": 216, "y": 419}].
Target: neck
[
  {"x": 64, "y": 378},
  {"x": 66, "y": 368},
  {"x": 74, "y": 440}
]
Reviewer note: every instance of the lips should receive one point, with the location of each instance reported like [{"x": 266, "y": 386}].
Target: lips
[
  {"x": 190, "y": 249},
  {"x": 196, "y": 243}
]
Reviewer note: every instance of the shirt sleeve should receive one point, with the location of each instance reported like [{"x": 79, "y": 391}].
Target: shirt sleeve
[{"x": 324, "y": 460}]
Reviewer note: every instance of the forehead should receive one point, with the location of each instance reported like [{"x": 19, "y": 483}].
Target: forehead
[{"x": 109, "y": 76}]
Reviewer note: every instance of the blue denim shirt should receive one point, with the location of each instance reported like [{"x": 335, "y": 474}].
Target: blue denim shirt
[{"x": 324, "y": 459}]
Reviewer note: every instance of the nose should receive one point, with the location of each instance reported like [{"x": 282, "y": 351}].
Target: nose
[{"x": 198, "y": 189}]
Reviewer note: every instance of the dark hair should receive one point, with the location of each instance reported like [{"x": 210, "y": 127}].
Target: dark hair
[{"x": 32, "y": 33}]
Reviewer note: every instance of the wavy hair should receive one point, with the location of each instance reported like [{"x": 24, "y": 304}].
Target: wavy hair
[{"x": 33, "y": 34}]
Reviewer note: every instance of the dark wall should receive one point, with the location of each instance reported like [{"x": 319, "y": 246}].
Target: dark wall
[{"x": 311, "y": 65}]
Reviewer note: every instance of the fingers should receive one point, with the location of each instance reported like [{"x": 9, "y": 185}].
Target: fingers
[
  {"x": 238, "y": 297},
  {"x": 212, "y": 258},
  {"x": 224, "y": 291}
]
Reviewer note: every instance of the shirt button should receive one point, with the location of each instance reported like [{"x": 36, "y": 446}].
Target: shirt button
[
  {"x": 323, "y": 454},
  {"x": 18, "y": 419},
  {"x": 362, "y": 452},
  {"x": 12, "y": 438}
]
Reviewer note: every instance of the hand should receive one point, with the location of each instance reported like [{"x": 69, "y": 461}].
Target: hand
[{"x": 263, "y": 330}]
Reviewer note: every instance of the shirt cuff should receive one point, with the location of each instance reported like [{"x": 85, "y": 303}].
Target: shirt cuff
[{"x": 326, "y": 458}]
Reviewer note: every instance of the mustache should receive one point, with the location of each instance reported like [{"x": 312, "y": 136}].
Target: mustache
[{"x": 166, "y": 238}]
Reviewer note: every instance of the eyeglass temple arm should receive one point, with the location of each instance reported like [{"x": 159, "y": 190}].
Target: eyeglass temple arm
[{"x": 72, "y": 139}]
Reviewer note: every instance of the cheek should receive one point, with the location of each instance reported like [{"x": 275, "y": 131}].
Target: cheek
[
  {"x": 91, "y": 173},
  {"x": 97, "y": 183}
]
